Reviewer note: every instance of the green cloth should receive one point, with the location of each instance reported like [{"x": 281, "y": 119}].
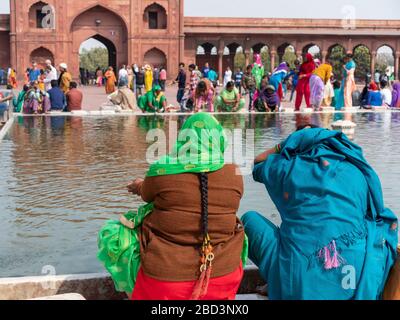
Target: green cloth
[
  {"x": 200, "y": 148},
  {"x": 229, "y": 95},
  {"x": 222, "y": 106},
  {"x": 258, "y": 72},
  {"x": 119, "y": 247},
  {"x": 19, "y": 102},
  {"x": 150, "y": 96}
]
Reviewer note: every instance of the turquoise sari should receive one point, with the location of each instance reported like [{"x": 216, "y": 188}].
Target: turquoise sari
[
  {"x": 340, "y": 101},
  {"x": 336, "y": 240}
]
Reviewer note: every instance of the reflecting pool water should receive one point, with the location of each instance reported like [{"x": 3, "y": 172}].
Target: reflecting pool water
[{"x": 61, "y": 178}]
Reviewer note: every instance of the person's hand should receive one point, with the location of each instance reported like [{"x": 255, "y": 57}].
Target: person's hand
[{"x": 135, "y": 187}]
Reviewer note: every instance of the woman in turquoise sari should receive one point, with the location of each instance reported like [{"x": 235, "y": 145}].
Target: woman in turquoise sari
[
  {"x": 348, "y": 83},
  {"x": 337, "y": 240}
]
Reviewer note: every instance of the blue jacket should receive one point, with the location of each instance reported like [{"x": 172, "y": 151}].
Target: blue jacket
[
  {"x": 57, "y": 98},
  {"x": 374, "y": 98}
]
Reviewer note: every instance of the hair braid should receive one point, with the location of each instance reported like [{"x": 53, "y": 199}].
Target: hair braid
[{"x": 204, "y": 202}]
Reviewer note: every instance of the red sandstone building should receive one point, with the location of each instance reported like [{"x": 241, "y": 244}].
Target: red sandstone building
[{"x": 157, "y": 32}]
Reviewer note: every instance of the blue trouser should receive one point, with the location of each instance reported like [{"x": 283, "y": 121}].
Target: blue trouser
[
  {"x": 3, "y": 108},
  {"x": 180, "y": 94},
  {"x": 290, "y": 274}
]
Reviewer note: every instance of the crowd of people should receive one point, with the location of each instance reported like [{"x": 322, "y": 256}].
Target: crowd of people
[
  {"x": 310, "y": 80},
  {"x": 144, "y": 87},
  {"x": 45, "y": 89}
]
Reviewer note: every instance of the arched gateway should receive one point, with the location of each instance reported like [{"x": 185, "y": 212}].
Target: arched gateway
[{"x": 105, "y": 26}]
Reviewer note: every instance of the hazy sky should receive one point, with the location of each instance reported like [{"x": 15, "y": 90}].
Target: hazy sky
[
  {"x": 362, "y": 9},
  {"x": 338, "y": 9}
]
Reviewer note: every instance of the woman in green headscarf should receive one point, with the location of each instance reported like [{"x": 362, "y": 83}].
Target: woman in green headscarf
[
  {"x": 153, "y": 101},
  {"x": 192, "y": 245}
]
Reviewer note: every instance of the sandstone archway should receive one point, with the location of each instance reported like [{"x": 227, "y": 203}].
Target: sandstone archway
[
  {"x": 40, "y": 55},
  {"x": 105, "y": 26},
  {"x": 156, "y": 58}
]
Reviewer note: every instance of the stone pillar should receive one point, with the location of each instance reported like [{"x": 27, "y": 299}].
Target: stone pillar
[
  {"x": 396, "y": 65},
  {"x": 221, "y": 49},
  {"x": 181, "y": 32},
  {"x": 247, "y": 57},
  {"x": 273, "y": 55},
  {"x": 373, "y": 61},
  {"x": 220, "y": 67},
  {"x": 13, "y": 44},
  {"x": 324, "y": 56}
]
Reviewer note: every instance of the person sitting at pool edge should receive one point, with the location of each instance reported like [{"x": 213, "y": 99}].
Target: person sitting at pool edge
[
  {"x": 268, "y": 100},
  {"x": 57, "y": 97},
  {"x": 230, "y": 100},
  {"x": 333, "y": 216},
  {"x": 74, "y": 97},
  {"x": 192, "y": 244},
  {"x": 374, "y": 96},
  {"x": 153, "y": 101}
]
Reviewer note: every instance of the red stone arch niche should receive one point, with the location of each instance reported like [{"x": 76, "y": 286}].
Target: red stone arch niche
[
  {"x": 35, "y": 14},
  {"x": 156, "y": 58},
  {"x": 40, "y": 55},
  {"x": 104, "y": 25},
  {"x": 155, "y": 17}
]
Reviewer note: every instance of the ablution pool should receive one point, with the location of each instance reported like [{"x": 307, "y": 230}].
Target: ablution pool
[{"x": 62, "y": 178}]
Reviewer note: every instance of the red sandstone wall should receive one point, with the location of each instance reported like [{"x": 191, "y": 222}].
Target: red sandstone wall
[{"x": 5, "y": 49}]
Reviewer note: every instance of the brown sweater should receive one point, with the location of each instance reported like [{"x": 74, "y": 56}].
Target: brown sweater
[{"x": 171, "y": 236}]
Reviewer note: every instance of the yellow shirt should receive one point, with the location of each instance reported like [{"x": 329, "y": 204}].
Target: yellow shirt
[
  {"x": 65, "y": 82},
  {"x": 324, "y": 71}
]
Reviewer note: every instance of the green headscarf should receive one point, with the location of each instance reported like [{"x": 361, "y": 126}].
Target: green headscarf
[
  {"x": 151, "y": 95},
  {"x": 200, "y": 148}
]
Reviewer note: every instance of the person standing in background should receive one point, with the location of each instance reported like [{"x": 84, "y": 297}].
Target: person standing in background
[
  {"x": 163, "y": 78},
  {"x": 181, "y": 80},
  {"x": 249, "y": 85},
  {"x": 51, "y": 74},
  {"x": 349, "y": 83},
  {"x": 131, "y": 78},
  {"x": 148, "y": 78},
  {"x": 139, "y": 82},
  {"x": 303, "y": 85},
  {"x": 123, "y": 75},
  {"x": 227, "y": 76},
  {"x": 111, "y": 80},
  {"x": 238, "y": 79},
  {"x": 206, "y": 70},
  {"x": 34, "y": 73},
  {"x": 156, "y": 77},
  {"x": 65, "y": 78}
]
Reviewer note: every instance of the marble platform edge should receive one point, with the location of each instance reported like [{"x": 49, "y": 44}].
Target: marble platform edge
[
  {"x": 124, "y": 113},
  {"x": 6, "y": 127},
  {"x": 95, "y": 286}
]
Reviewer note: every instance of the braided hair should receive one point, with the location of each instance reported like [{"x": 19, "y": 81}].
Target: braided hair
[{"x": 204, "y": 202}]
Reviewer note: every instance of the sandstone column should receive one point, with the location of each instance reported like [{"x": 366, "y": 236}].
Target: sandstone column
[
  {"x": 221, "y": 49},
  {"x": 324, "y": 56},
  {"x": 396, "y": 65},
  {"x": 373, "y": 60},
  {"x": 273, "y": 55},
  {"x": 13, "y": 44},
  {"x": 220, "y": 67},
  {"x": 247, "y": 56}
]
